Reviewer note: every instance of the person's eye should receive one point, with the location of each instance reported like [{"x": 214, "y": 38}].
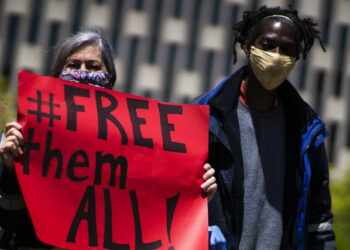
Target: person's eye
[
  {"x": 288, "y": 50},
  {"x": 285, "y": 48},
  {"x": 94, "y": 67},
  {"x": 73, "y": 65},
  {"x": 266, "y": 46}
]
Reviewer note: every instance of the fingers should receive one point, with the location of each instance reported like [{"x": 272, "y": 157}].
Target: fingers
[
  {"x": 206, "y": 166},
  {"x": 208, "y": 183},
  {"x": 209, "y": 186},
  {"x": 14, "y": 131},
  {"x": 7, "y": 151},
  {"x": 211, "y": 190},
  {"x": 11, "y": 145},
  {"x": 15, "y": 125},
  {"x": 208, "y": 177},
  {"x": 209, "y": 171},
  {"x": 14, "y": 136},
  {"x": 13, "y": 140}
]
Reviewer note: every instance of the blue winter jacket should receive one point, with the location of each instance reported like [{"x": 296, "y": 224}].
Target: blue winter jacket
[{"x": 307, "y": 213}]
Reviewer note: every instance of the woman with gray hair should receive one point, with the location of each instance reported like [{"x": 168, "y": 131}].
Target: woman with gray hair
[
  {"x": 84, "y": 58},
  {"x": 84, "y": 43}
]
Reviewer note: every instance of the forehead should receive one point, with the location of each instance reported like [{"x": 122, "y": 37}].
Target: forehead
[
  {"x": 277, "y": 29},
  {"x": 87, "y": 51}
]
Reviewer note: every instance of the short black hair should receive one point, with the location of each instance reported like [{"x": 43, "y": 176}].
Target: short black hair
[{"x": 307, "y": 32}]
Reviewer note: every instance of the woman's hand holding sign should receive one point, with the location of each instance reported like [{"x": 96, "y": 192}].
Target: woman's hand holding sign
[{"x": 11, "y": 145}]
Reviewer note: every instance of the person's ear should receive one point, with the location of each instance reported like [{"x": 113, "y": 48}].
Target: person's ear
[{"x": 246, "y": 48}]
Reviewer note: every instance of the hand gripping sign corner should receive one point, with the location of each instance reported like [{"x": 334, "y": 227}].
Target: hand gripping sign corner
[{"x": 109, "y": 170}]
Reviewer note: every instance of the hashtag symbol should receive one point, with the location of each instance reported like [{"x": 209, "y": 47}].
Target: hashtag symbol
[{"x": 39, "y": 113}]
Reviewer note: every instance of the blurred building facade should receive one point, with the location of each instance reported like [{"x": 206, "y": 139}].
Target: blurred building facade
[{"x": 174, "y": 50}]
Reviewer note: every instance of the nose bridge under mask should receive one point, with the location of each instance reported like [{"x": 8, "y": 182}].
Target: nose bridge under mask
[{"x": 270, "y": 68}]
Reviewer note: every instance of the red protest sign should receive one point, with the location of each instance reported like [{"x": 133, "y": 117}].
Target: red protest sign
[{"x": 104, "y": 169}]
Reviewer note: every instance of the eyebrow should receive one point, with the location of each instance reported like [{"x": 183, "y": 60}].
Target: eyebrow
[
  {"x": 269, "y": 39},
  {"x": 78, "y": 60}
]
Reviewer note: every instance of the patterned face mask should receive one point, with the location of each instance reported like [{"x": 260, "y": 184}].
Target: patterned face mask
[{"x": 98, "y": 79}]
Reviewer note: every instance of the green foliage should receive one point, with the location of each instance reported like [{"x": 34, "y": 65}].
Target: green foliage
[
  {"x": 341, "y": 209},
  {"x": 10, "y": 99}
]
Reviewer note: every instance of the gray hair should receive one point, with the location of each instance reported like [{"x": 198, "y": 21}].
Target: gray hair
[{"x": 79, "y": 40}]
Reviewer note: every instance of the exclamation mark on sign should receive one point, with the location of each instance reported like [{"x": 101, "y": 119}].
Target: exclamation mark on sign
[{"x": 170, "y": 209}]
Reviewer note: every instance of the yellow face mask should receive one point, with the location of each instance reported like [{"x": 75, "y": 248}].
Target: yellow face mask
[{"x": 271, "y": 69}]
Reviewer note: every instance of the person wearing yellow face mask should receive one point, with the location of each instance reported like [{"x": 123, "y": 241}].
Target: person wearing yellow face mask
[
  {"x": 270, "y": 68},
  {"x": 266, "y": 143}
]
